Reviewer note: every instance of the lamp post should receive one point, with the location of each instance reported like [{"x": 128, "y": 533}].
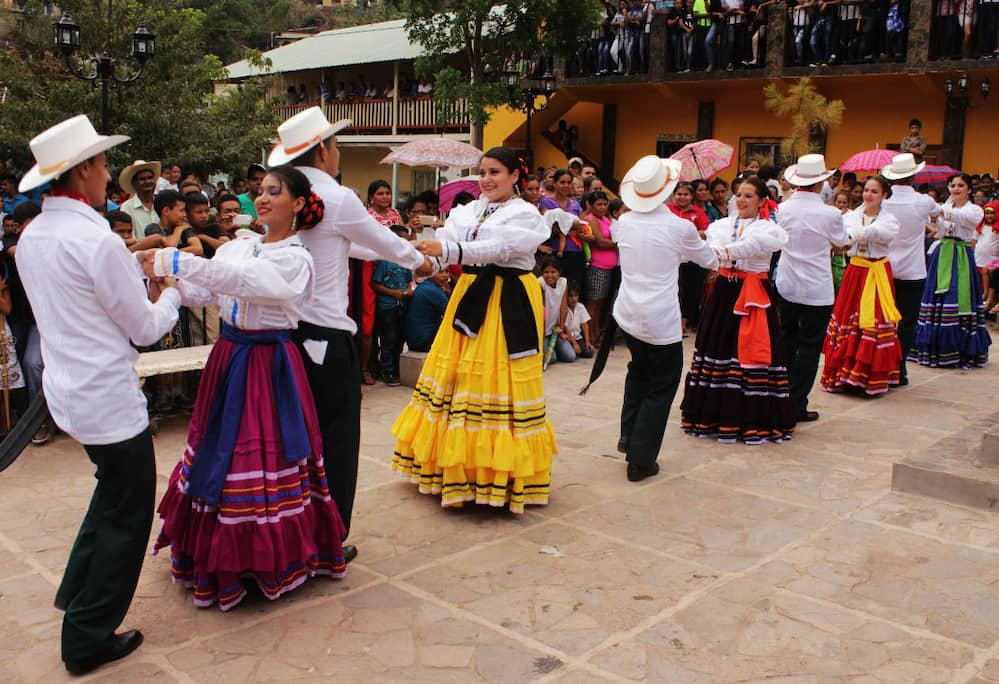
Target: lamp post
[
  {"x": 960, "y": 98},
  {"x": 527, "y": 99},
  {"x": 102, "y": 66}
]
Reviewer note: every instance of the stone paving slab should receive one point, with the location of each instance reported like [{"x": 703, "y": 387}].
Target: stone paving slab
[{"x": 780, "y": 563}]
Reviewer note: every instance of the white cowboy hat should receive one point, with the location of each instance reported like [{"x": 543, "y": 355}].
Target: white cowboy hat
[
  {"x": 128, "y": 173},
  {"x": 301, "y": 133},
  {"x": 649, "y": 182},
  {"x": 62, "y": 147},
  {"x": 902, "y": 166},
  {"x": 810, "y": 169}
]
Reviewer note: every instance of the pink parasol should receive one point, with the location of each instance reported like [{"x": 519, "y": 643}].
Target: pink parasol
[
  {"x": 448, "y": 191},
  {"x": 703, "y": 159},
  {"x": 868, "y": 160},
  {"x": 934, "y": 175},
  {"x": 438, "y": 152}
]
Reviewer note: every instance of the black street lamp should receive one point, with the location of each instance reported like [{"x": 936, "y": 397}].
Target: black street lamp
[
  {"x": 533, "y": 97},
  {"x": 102, "y": 66}
]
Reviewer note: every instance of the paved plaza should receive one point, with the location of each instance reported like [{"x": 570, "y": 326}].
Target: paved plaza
[{"x": 784, "y": 563}]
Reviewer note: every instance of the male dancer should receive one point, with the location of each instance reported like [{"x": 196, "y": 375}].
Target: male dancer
[
  {"x": 652, "y": 242},
  {"x": 89, "y": 301},
  {"x": 326, "y": 333},
  {"x": 804, "y": 274},
  {"x": 908, "y": 252}
]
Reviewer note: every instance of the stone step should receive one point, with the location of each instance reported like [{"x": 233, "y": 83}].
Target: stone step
[
  {"x": 410, "y": 365},
  {"x": 962, "y": 468}
]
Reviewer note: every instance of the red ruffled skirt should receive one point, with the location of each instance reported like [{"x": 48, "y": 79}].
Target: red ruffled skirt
[
  {"x": 276, "y": 522},
  {"x": 860, "y": 360}
]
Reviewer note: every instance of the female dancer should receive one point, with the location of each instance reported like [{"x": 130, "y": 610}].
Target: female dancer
[
  {"x": 862, "y": 350},
  {"x": 568, "y": 249},
  {"x": 475, "y": 428},
  {"x": 738, "y": 387},
  {"x": 951, "y": 326},
  {"x": 249, "y": 497}
]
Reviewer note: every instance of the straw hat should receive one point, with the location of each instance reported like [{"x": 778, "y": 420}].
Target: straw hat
[
  {"x": 62, "y": 147},
  {"x": 902, "y": 166},
  {"x": 301, "y": 133},
  {"x": 649, "y": 182},
  {"x": 810, "y": 169},
  {"x": 128, "y": 173}
]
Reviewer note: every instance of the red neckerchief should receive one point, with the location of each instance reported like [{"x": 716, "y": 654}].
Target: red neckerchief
[
  {"x": 768, "y": 209},
  {"x": 71, "y": 195}
]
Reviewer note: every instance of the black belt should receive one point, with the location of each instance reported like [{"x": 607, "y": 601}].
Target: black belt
[
  {"x": 519, "y": 326},
  {"x": 311, "y": 331}
]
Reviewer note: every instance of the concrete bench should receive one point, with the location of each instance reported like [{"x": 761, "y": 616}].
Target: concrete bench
[
  {"x": 172, "y": 361},
  {"x": 410, "y": 365}
]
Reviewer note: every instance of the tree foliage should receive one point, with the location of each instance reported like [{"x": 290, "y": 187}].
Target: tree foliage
[
  {"x": 170, "y": 112},
  {"x": 482, "y": 35},
  {"x": 811, "y": 115}
]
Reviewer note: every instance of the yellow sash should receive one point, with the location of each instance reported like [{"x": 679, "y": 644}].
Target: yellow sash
[{"x": 877, "y": 287}]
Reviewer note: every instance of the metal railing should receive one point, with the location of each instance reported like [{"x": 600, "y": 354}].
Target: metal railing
[
  {"x": 852, "y": 32},
  {"x": 376, "y": 115},
  {"x": 964, "y": 29}
]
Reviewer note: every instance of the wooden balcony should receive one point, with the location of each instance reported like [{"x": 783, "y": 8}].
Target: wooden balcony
[{"x": 385, "y": 116}]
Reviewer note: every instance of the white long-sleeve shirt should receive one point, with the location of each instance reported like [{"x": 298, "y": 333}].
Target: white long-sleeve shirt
[
  {"x": 506, "y": 235},
  {"x": 960, "y": 222},
  {"x": 804, "y": 274},
  {"x": 749, "y": 242},
  {"x": 651, "y": 246},
  {"x": 257, "y": 285},
  {"x": 912, "y": 211},
  {"x": 89, "y": 301},
  {"x": 872, "y": 237},
  {"x": 345, "y": 221}
]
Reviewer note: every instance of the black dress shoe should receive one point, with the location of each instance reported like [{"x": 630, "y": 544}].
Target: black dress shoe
[
  {"x": 808, "y": 417},
  {"x": 622, "y": 446},
  {"x": 903, "y": 381},
  {"x": 637, "y": 473},
  {"x": 349, "y": 553},
  {"x": 121, "y": 645}
]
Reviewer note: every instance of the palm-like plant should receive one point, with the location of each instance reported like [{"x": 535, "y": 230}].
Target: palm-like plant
[{"x": 811, "y": 115}]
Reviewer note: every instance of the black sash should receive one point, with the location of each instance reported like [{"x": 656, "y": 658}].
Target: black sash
[{"x": 519, "y": 326}]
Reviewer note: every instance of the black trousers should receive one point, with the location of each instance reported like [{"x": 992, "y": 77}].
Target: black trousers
[
  {"x": 908, "y": 297},
  {"x": 574, "y": 270},
  {"x": 389, "y": 323},
  {"x": 336, "y": 389},
  {"x": 653, "y": 378},
  {"x": 804, "y": 329},
  {"x": 691, "y": 286},
  {"x": 103, "y": 568}
]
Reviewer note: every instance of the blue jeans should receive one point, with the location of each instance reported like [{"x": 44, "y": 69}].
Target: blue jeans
[
  {"x": 800, "y": 38},
  {"x": 818, "y": 40},
  {"x": 32, "y": 363},
  {"x": 709, "y": 44}
]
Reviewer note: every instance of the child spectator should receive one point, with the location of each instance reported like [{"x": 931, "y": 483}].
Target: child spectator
[
  {"x": 121, "y": 225},
  {"x": 392, "y": 285},
  {"x": 173, "y": 226},
  {"x": 426, "y": 311},
  {"x": 574, "y": 340},
  {"x": 553, "y": 285},
  {"x": 228, "y": 209},
  {"x": 199, "y": 214},
  {"x": 11, "y": 377}
]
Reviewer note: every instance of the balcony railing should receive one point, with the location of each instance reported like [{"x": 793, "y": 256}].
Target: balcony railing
[
  {"x": 412, "y": 115},
  {"x": 964, "y": 29},
  {"x": 853, "y": 36}
]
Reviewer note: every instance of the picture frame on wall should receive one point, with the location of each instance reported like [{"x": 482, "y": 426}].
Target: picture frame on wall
[{"x": 766, "y": 150}]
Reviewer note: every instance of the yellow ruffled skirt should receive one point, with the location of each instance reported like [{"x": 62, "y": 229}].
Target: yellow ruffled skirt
[{"x": 476, "y": 428}]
